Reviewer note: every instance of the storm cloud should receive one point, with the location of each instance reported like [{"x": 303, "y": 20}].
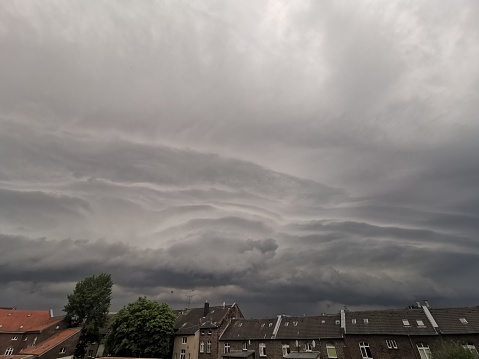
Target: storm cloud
[{"x": 292, "y": 157}]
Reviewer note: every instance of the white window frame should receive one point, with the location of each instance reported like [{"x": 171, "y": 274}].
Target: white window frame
[
  {"x": 208, "y": 346},
  {"x": 391, "y": 344},
  {"x": 424, "y": 351},
  {"x": 183, "y": 354},
  {"x": 9, "y": 351},
  {"x": 308, "y": 347},
  {"x": 365, "y": 350},
  {"x": 329, "y": 347},
  {"x": 245, "y": 346},
  {"x": 184, "y": 340},
  {"x": 262, "y": 349},
  {"x": 202, "y": 346},
  {"x": 286, "y": 349},
  {"x": 226, "y": 348}
]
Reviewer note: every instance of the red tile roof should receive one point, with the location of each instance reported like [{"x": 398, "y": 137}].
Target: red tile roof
[
  {"x": 16, "y": 356},
  {"x": 51, "y": 343},
  {"x": 24, "y": 320}
]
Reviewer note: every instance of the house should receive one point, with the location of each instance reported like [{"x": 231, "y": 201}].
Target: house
[
  {"x": 284, "y": 337},
  {"x": 197, "y": 330},
  {"x": 36, "y": 334}
]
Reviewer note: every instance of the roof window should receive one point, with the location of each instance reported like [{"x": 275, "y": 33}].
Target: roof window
[
  {"x": 286, "y": 324},
  {"x": 405, "y": 322},
  {"x": 270, "y": 324},
  {"x": 240, "y": 324},
  {"x": 463, "y": 320},
  {"x": 420, "y": 323},
  {"x": 295, "y": 323},
  {"x": 353, "y": 321},
  {"x": 366, "y": 320},
  {"x": 262, "y": 325}
]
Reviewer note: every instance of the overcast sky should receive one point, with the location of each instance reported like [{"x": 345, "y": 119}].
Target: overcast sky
[{"x": 294, "y": 157}]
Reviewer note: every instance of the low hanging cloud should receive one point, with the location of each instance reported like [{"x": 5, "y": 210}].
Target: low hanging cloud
[{"x": 281, "y": 155}]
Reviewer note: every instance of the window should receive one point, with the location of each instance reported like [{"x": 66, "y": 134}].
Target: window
[
  {"x": 405, "y": 322},
  {"x": 240, "y": 324},
  {"x": 323, "y": 321},
  {"x": 202, "y": 332},
  {"x": 90, "y": 353},
  {"x": 57, "y": 327},
  {"x": 208, "y": 346},
  {"x": 286, "y": 324},
  {"x": 9, "y": 351},
  {"x": 63, "y": 350},
  {"x": 353, "y": 321},
  {"x": 262, "y": 349},
  {"x": 366, "y": 321},
  {"x": 365, "y": 350},
  {"x": 245, "y": 345},
  {"x": 471, "y": 347},
  {"x": 286, "y": 350},
  {"x": 331, "y": 350},
  {"x": 227, "y": 348},
  {"x": 424, "y": 351},
  {"x": 202, "y": 347},
  {"x": 14, "y": 338},
  {"x": 463, "y": 320},
  {"x": 420, "y": 323},
  {"x": 308, "y": 347},
  {"x": 209, "y": 332},
  {"x": 34, "y": 341},
  {"x": 182, "y": 354},
  {"x": 270, "y": 324},
  {"x": 184, "y": 340},
  {"x": 391, "y": 344},
  {"x": 295, "y": 323}
]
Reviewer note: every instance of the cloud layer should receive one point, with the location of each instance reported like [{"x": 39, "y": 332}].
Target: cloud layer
[{"x": 292, "y": 157}]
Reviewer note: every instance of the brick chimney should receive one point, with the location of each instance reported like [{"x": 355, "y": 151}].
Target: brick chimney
[{"x": 206, "y": 309}]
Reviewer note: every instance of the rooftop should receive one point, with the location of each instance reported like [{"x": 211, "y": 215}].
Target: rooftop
[{"x": 51, "y": 343}]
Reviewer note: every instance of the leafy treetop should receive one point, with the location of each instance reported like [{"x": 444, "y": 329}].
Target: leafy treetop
[
  {"x": 454, "y": 350},
  {"x": 141, "y": 329}
]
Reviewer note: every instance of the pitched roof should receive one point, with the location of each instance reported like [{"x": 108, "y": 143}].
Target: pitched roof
[
  {"x": 457, "y": 320},
  {"x": 191, "y": 320},
  {"x": 20, "y": 321},
  {"x": 16, "y": 356},
  {"x": 389, "y": 322},
  {"x": 51, "y": 342},
  {"x": 243, "y": 329},
  {"x": 315, "y": 327}
]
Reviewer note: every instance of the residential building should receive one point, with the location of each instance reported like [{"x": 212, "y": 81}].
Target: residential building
[
  {"x": 197, "y": 330},
  {"x": 36, "y": 333}
]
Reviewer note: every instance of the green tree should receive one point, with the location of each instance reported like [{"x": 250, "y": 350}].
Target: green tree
[
  {"x": 88, "y": 307},
  {"x": 453, "y": 350},
  {"x": 143, "y": 328}
]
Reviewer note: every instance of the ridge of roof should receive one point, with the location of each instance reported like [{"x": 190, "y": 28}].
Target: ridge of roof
[{"x": 20, "y": 321}]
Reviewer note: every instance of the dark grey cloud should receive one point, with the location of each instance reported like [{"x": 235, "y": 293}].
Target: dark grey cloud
[{"x": 283, "y": 155}]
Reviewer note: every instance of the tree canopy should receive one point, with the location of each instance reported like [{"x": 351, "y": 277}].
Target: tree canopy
[
  {"x": 141, "y": 329},
  {"x": 88, "y": 307},
  {"x": 454, "y": 350}
]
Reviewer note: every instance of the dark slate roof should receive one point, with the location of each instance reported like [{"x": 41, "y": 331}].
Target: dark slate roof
[
  {"x": 389, "y": 322},
  {"x": 239, "y": 354},
  {"x": 243, "y": 329},
  {"x": 448, "y": 320},
  {"x": 309, "y": 327},
  {"x": 189, "y": 321}
]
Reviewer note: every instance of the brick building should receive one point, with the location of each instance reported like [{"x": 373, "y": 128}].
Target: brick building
[
  {"x": 35, "y": 333},
  {"x": 197, "y": 330},
  {"x": 284, "y": 337}
]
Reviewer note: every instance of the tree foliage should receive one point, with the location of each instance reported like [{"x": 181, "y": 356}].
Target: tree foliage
[
  {"x": 453, "y": 350},
  {"x": 88, "y": 307},
  {"x": 143, "y": 328}
]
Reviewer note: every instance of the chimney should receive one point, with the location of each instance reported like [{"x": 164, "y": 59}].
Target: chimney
[
  {"x": 418, "y": 304},
  {"x": 206, "y": 309},
  {"x": 426, "y": 303},
  {"x": 51, "y": 313}
]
